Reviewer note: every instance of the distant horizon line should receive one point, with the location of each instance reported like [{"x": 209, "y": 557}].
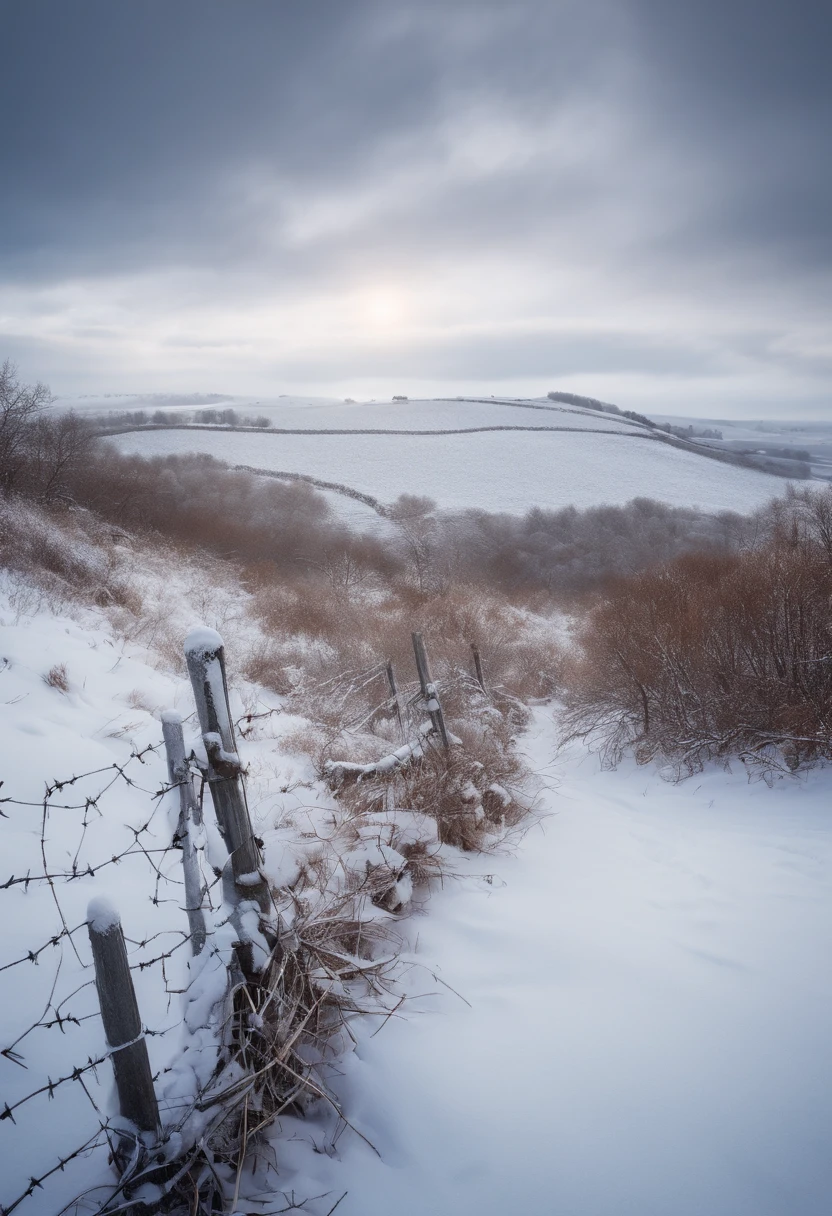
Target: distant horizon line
[{"x": 196, "y": 399}]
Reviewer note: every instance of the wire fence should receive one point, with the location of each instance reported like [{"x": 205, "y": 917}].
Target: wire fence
[
  {"x": 63, "y": 981},
  {"x": 228, "y": 1010}
]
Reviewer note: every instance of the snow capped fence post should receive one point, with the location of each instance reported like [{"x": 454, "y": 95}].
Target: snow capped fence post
[
  {"x": 478, "y": 667},
  {"x": 429, "y": 688},
  {"x": 120, "y": 1015},
  {"x": 205, "y": 655},
  {"x": 189, "y": 818}
]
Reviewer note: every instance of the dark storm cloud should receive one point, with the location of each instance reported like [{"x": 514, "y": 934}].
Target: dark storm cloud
[
  {"x": 745, "y": 85},
  {"x": 131, "y": 122},
  {"x": 126, "y": 118},
  {"x": 277, "y": 145}
]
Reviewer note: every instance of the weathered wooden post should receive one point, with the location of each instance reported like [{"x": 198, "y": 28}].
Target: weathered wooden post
[
  {"x": 478, "y": 667},
  {"x": 394, "y": 696},
  {"x": 120, "y": 1015},
  {"x": 429, "y": 688},
  {"x": 205, "y": 656},
  {"x": 189, "y": 818}
]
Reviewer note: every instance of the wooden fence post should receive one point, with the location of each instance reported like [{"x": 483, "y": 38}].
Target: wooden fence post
[
  {"x": 189, "y": 817},
  {"x": 429, "y": 688},
  {"x": 394, "y": 694},
  {"x": 478, "y": 667},
  {"x": 120, "y": 1015},
  {"x": 205, "y": 655}
]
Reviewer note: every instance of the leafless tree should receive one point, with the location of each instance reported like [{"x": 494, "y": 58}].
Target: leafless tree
[
  {"x": 418, "y": 529},
  {"x": 58, "y": 447},
  {"x": 20, "y": 406}
]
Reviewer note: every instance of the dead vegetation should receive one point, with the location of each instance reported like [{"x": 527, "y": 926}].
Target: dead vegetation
[
  {"x": 72, "y": 557},
  {"x": 327, "y": 632},
  {"x": 473, "y": 793},
  {"x": 57, "y": 677},
  {"x": 713, "y": 656}
]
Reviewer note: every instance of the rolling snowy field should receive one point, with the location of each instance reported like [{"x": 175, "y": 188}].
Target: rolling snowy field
[
  {"x": 311, "y": 413},
  {"x": 495, "y": 470}
]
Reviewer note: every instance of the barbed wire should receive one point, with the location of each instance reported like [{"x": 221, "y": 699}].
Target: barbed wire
[
  {"x": 270, "y": 1066},
  {"x": 55, "y": 1013}
]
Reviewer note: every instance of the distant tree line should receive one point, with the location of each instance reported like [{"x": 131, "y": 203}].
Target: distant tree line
[
  {"x": 592, "y": 403},
  {"x": 118, "y": 419}
]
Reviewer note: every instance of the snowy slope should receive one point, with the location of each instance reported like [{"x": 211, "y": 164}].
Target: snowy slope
[
  {"x": 49, "y": 734},
  {"x": 108, "y": 710},
  {"x": 647, "y": 1027},
  {"x": 496, "y": 471}
]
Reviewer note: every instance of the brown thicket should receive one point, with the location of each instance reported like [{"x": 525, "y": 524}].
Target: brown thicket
[{"x": 713, "y": 655}]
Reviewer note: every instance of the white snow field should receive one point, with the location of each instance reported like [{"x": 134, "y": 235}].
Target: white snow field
[
  {"x": 496, "y": 471},
  {"x": 647, "y": 1027},
  {"x": 318, "y": 413},
  {"x": 647, "y": 980}
]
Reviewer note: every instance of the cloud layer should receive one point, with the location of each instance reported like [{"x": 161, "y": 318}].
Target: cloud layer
[{"x": 624, "y": 197}]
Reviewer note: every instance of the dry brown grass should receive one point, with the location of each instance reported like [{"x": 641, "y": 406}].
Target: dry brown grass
[
  {"x": 473, "y": 791},
  {"x": 327, "y": 653},
  {"x": 352, "y": 633},
  {"x": 712, "y": 656},
  {"x": 69, "y": 556},
  {"x": 57, "y": 677}
]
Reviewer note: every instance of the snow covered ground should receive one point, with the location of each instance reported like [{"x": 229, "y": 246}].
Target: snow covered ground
[
  {"x": 647, "y": 992},
  {"x": 320, "y": 413},
  {"x": 77, "y": 699},
  {"x": 495, "y": 471},
  {"x": 647, "y": 1026}
]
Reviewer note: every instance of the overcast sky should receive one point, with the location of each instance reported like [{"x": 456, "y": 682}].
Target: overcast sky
[{"x": 625, "y": 198}]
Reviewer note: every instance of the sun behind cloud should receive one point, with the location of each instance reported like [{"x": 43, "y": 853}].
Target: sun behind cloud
[{"x": 381, "y": 310}]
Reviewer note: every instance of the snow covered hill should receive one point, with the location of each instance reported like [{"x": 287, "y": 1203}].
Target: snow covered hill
[{"x": 493, "y": 455}]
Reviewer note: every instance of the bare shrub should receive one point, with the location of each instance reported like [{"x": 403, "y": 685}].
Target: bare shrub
[
  {"x": 267, "y": 525},
  {"x": 266, "y": 664},
  {"x": 20, "y": 407},
  {"x": 568, "y": 552},
  {"x": 59, "y": 449},
  {"x": 473, "y": 792},
  {"x": 57, "y": 677},
  {"x": 714, "y": 655},
  {"x": 348, "y": 633},
  {"x": 39, "y": 453}
]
